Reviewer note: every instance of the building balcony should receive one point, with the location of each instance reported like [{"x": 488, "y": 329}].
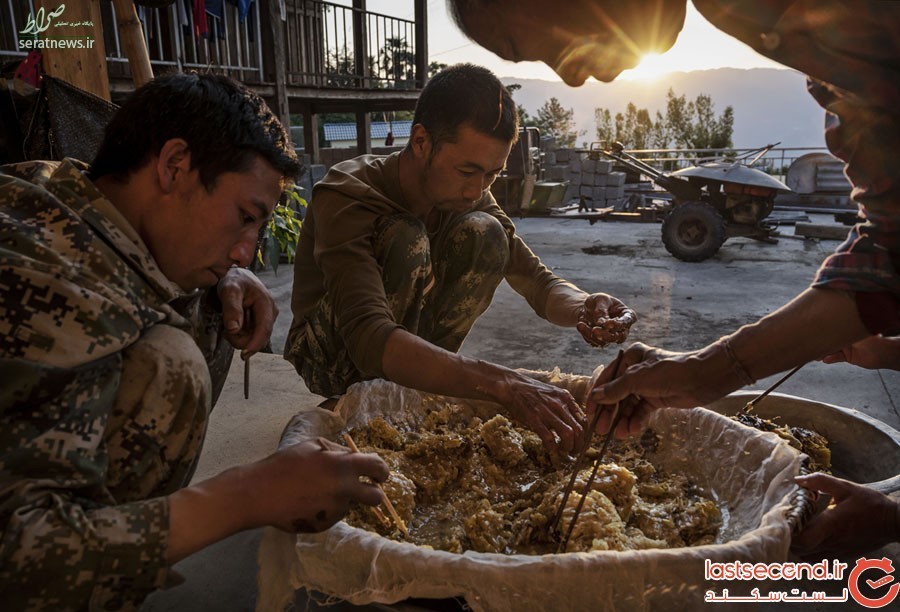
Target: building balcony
[{"x": 304, "y": 56}]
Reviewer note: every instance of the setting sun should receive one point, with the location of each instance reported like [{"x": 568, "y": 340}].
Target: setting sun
[
  {"x": 652, "y": 66},
  {"x": 699, "y": 46}
]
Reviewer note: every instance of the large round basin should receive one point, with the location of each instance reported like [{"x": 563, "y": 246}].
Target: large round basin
[{"x": 863, "y": 449}]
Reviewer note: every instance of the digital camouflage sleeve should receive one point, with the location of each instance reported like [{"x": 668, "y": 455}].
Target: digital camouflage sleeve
[{"x": 104, "y": 398}]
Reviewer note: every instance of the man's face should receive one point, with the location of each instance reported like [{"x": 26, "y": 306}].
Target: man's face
[
  {"x": 201, "y": 234},
  {"x": 457, "y": 174},
  {"x": 578, "y": 38}
]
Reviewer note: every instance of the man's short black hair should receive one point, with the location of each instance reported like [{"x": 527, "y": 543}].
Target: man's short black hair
[
  {"x": 465, "y": 94},
  {"x": 224, "y": 124}
]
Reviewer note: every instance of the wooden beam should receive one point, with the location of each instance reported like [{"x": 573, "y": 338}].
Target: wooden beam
[
  {"x": 824, "y": 232},
  {"x": 73, "y": 53},
  {"x": 132, "y": 36}
]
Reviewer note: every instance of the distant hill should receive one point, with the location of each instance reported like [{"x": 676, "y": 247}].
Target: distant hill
[{"x": 770, "y": 105}]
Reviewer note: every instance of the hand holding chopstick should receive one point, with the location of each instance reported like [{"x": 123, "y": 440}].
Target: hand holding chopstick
[
  {"x": 588, "y": 436},
  {"x": 387, "y": 500}
]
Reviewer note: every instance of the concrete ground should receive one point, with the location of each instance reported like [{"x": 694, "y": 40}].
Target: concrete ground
[{"x": 680, "y": 306}]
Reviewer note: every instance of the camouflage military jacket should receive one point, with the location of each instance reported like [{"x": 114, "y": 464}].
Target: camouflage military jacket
[{"x": 77, "y": 286}]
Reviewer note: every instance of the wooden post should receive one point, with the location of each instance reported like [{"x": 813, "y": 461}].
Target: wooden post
[
  {"x": 311, "y": 134},
  {"x": 73, "y": 53},
  {"x": 421, "y": 17},
  {"x": 132, "y": 36},
  {"x": 363, "y": 132},
  {"x": 279, "y": 44},
  {"x": 360, "y": 44}
]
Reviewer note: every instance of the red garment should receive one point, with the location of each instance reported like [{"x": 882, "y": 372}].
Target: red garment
[
  {"x": 200, "y": 26},
  {"x": 29, "y": 70}
]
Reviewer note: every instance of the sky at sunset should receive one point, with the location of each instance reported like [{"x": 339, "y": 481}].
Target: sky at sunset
[{"x": 699, "y": 47}]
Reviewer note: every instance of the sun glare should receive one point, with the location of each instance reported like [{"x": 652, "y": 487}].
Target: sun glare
[{"x": 652, "y": 66}]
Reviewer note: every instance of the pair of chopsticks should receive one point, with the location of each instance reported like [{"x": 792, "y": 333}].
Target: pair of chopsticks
[
  {"x": 387, "y": 500},
  {"x": 617, "y": 415},
  {"x": 589, "y": 435}
]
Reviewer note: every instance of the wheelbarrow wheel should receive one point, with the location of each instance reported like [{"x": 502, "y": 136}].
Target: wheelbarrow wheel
[{"x": 693, "y": 231}]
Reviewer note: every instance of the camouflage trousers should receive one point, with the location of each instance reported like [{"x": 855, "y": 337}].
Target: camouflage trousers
[{"x": 436, "y": 287}]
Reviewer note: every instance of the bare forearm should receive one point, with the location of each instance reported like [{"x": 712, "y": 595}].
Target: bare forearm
[
  {"x": 303, "y": 487},
  {"x": 413, "y": 362},
  {"x": 812, "y": 325}
]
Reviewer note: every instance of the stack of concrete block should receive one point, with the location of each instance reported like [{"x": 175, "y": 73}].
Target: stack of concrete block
[{"x": 592, "y": 182}]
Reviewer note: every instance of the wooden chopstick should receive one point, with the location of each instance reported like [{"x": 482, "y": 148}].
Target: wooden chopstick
[
  {"x": 617, "y": 415},
  {"x": 762, "y": 395},
  {"x": 381, "y": 517},
  {"x": 387, "y": 500},
  {"x": 588, "y": 436},
  {"x": 247, "y": 378}
]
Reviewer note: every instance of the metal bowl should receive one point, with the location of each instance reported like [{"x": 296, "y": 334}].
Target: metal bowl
[{"x": 863, "y": 449}]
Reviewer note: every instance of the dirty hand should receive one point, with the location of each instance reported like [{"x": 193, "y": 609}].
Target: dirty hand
[
  {"x": 604, "y": 319},
  {"x": 857, "y": 521},
  {"x": 248, "y": 311},
  {"x": 549, "y": 411},
  {"x": 309, "y": 487},
  {"x": 658, "y": 378},
  {"x": 872, "y": 353}
]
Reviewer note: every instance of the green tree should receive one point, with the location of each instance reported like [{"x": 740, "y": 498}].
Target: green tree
[
  {"x": 720, "y": 138},
  {"x": 638, "y": 126},
  {"x": 435, "y": 67},
  {"x": 604, "y": 126},
  {"x": 694, "y": 125},
  {"x": 659, "y": 136},
  {"x": 397, "y": 63},
  {"x": 677, "y": 121},
  {"x": 340, "y": 69},
  {"x": 525, "y": 120},
  {"x": 558, "y": 122},
  {"x": 687, "y": 124}
]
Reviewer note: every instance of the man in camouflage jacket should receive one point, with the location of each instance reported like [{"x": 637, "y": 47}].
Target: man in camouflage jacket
[{"x": 106, "y": 348}]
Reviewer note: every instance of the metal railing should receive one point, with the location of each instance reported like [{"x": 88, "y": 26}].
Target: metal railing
[
  {"x": 174, "y": 38},
  {"x": 329, "y": 45},
  {"x": 18, "y": 12}
]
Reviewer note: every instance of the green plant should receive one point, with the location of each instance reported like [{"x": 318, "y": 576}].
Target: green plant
[{"x": 280, "y": 236}]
